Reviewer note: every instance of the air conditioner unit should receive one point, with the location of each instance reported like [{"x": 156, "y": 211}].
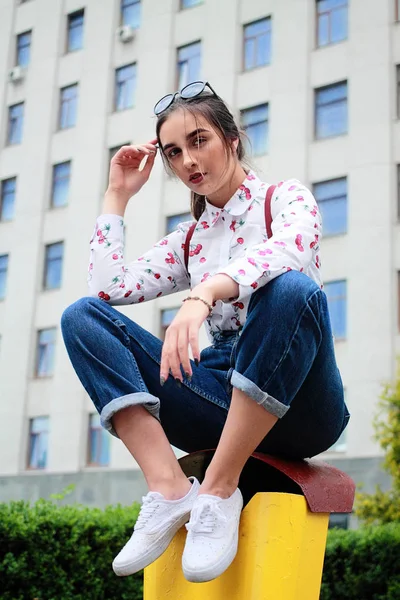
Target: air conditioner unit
[
  {"x": 16, "y": 74},
  {"x": 125, "y": 33}
]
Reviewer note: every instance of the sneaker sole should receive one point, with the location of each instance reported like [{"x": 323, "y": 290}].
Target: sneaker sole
[
  {"x": 201, "y": 576},
  {"x": 132, "y": 567}
]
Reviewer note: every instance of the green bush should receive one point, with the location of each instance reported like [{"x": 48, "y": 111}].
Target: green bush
[
  {"x": 362, "y": 564},
  {"x": 52, "y": 552}
]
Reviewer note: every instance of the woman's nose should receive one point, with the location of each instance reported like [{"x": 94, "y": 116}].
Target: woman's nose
[{"x": 188, "y": 159}]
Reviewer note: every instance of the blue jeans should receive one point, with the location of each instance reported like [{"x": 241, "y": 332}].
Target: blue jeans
[{"x": 283, "y": 358}]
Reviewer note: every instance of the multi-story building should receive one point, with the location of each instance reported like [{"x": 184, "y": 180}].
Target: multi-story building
[{"x": 316, "y": 86}]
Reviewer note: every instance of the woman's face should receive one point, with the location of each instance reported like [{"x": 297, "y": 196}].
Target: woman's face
[{"x": 195, "y": 152}]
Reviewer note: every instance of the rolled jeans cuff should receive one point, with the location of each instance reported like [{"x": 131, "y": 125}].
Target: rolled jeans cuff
[
  {"x": 150, "y": 403},
  {"x": 271, "y": 404}
]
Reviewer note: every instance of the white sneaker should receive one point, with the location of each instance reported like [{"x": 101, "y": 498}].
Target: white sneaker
[
  {"x": 212, "y": 539},
  {"x": 158, "y": 521}
]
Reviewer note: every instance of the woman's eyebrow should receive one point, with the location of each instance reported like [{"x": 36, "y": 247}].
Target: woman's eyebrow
[{"x": 188, "y": 137}]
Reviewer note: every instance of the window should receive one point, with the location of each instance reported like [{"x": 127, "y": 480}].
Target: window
[
  {"x": 15, "y": 123},
  {"x": 130, "y": 13},
  {"x": 190, "y": 3},
  {"x": 339, "y": 521},
  {"x": 24, "y": 48},
  {"x": 332, "y": 201},
  {"x": 125, "y": 85},
  {"x": 38, "y": 442},
  {"x": 7, "y": 199},
  {"x": 331, "y": 21},
  {"x": 60, "y": 184},
  {"x": 99, "y": 443},
  {"x": 398, "y": 296},
  {"x": 173, "y": 222},
  {"x": 46, "y": 343},
  {"x": 257, "y": 44},
  {"x": 75, "y": 30},
  {"x": 167, "y": 316},
  {"x": 188, "y": 66},
  {"x": 255, "y": 123},
  {"x": 398, "y": 192},
  {"x": 331, "y": 110},
  {"x": 398, "y": 91},
  {"x": 53, "y": 266},
  {"x": 336, "y": 292},
  {"x": 68, "y": 106},
  {"x": 3, "y": 275}
]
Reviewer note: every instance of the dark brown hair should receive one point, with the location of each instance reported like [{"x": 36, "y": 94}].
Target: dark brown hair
[{"x": 214, "y": 110}]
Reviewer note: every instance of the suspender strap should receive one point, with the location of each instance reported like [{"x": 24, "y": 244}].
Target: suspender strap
[
  {"x": 268, "y": 222},
  {"x": 267, "y": 207},
  {"x": 187, "y": 244}
]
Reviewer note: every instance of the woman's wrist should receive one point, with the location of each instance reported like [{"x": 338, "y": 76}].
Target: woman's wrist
[
  {"x": 218, "y": 287},
  {"x": 115, "y": 203}
]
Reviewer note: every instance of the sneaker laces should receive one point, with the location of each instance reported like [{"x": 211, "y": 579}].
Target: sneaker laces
[
  {"x": 147, "y": 509},
  {"x": 204, "y": 517}
]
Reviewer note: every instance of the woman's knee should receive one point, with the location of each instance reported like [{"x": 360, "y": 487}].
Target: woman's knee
[
  {"x": 76, "y": 318},
  {"x": 290, "y": 289}
]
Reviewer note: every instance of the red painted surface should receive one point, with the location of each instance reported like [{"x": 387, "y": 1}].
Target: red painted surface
[{"x": 325, "y": 488}]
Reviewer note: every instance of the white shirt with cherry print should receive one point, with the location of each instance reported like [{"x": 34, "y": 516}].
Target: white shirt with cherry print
[{"x": 232, "y": 240}]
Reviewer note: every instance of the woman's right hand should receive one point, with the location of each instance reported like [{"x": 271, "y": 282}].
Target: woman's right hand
[{"x": 125, "y": 179}]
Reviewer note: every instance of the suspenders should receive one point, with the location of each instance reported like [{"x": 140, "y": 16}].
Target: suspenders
[{"x": 268, "y": 221}]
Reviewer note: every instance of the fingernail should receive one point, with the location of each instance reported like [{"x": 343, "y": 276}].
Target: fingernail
[
  {"x": 188, "y": 377},
  {"x": 178, "y": 382},
  {"x": 196, "y": 362},
  {"x": 162, "y": 381}
]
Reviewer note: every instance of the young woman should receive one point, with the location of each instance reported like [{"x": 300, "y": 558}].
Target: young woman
[{"x": 267, "y": 381}]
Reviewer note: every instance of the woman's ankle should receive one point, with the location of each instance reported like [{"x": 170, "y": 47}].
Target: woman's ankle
[{"x": 172, "y": 488}]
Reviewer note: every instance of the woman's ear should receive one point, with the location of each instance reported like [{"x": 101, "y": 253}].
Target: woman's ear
[{"x": 235, "y": 144}]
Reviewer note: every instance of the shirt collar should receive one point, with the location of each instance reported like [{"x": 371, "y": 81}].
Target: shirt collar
[{"x": 239, "y": 203}]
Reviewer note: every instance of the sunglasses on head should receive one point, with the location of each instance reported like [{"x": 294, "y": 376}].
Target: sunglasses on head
[{"x": 189, "y": 91}]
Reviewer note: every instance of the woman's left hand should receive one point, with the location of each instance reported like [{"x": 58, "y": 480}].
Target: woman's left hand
[{"x": 182, "y": 333}]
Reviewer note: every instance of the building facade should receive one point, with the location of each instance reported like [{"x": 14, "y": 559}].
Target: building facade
[{"x": 316, "y": 86}]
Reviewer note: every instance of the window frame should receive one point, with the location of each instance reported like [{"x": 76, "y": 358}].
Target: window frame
[
  {"x": 33, "y": 435},
  {"x": 178, "y": 63},
  {"x": 124, "y": 83},
  {"x": 244, "y": 40},
  {"x": 182, "y": 7},
  {"x": 5, "y": 271},
  {"x": 345, "y": 336},
  {"x": 55, "y": 179},
  {"x": 317, "y": 19},
  {"x": 398, "y": 191},
  {"x": 398, "y": 91},
  {"x": 18, "y": 48},
  {"x": 10, "y": 121},
  {"x": 47, "y": 261},
  {"x": 3, "y": 183},
  {"x": 48, "y": 344},
  {"x": 335, "y": 197},
  {"x": 175, "y": 217},
  {"x": 245, "y": 127},
  {"x": 397, "y": 11},
  {"x": 68, "y": 102},
  {"x": 102, "y": 437},
  {"x": 316, "y": 106},
  {"x": 121, "y": 12},
  {"x": 76, "y": 14},
  {"x": 163, "y": 328}
]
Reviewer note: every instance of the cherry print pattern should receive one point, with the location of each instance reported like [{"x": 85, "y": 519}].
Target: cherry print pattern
[{"x": 250, "y": 258}]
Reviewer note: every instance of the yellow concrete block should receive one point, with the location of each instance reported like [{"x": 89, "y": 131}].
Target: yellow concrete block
[{"x": 280, "y": 557}]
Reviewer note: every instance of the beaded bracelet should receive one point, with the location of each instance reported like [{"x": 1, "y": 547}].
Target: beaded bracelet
[{"x": 202, "y": 300}]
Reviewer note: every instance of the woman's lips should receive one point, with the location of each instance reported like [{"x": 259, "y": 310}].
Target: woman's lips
[{"x": 197, "y": 178}]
